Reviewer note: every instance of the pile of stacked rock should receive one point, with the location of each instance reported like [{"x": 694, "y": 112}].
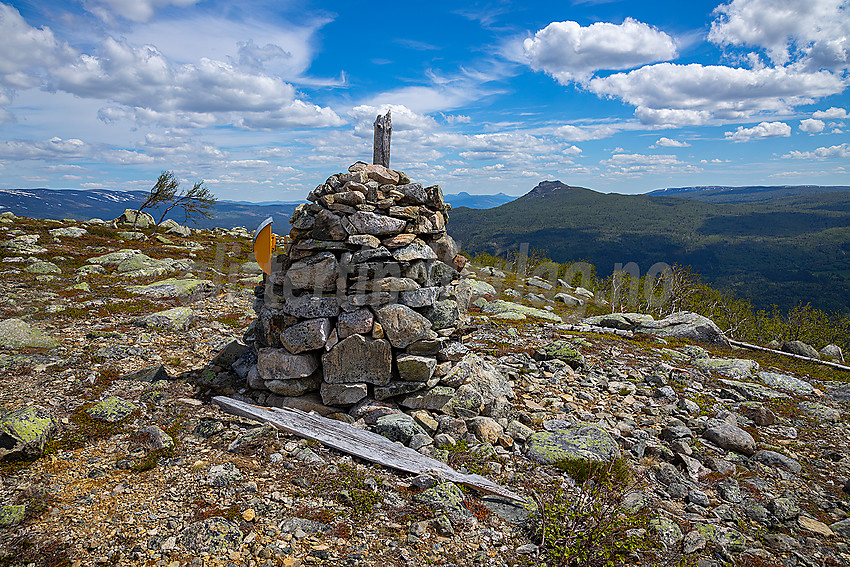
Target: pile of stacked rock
[{"x": 363, "y": 302}]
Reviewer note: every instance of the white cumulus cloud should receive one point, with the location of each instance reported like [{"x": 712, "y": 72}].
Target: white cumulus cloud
[
  {"x": 53, "y": 149},
  {"x": 812, "y": 125},
  {"x": 623, "y": 164},
  {"x": 833, "y": 113},
  {"x": 838, "y": 151},
  {"x": 814, "y": 33},
  {"x": 759, "y": 131},
  {"x": 670, "y": 143},
  {"x": 570, "y": 52},
  {"x": 26, "y": 50},
  {"x": 194, "y": 94},
  {"x": 685, "y": 94},
  {"x": 134, "y": 10}
]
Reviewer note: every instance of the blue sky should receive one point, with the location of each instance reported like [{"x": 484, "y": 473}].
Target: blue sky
[{"x": 265, "y": 99}]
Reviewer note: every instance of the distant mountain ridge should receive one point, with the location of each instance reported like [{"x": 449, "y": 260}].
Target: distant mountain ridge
[
  {"x": 783, "y": 251},
  {"x": 745, "y": 194},
  {"x": 107, "y": 204}
]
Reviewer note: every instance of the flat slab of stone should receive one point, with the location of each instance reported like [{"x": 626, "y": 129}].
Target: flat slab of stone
[
  {"x": 820, "y": 412},
  {"x": 342, "y": 394},
  {"x": 500, "y": 306},
  {"x": 176, "y": 319},
  {"x": 278, "y": 364},
  {"x": 16, "y": 334},
  {"x": 585, "y": 441},
  {"x": 774, "y": 459},
  {"x": 731, "y": 367},
  {"x": 172, "y": 287},
  {"x": 375, "y": 224},
  {"x": 432, "y": 399},
  {"x": 311, "y": 306},
  {"x": 111, "y": 409},
  {"x": 358, "y": 359},
  {"x": 753, "y": 391},
  {"x": 786, "y": 382}
]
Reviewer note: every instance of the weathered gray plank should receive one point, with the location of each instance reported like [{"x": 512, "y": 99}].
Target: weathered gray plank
[
  {"x": 383, "y": 133},
  {"x": 355, "y": 441}
]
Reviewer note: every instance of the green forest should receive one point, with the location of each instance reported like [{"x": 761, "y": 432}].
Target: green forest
[{"x": 786, "y": 251}]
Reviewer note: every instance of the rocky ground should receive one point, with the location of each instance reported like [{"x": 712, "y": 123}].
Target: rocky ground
[{"x": 734, "y": 456}]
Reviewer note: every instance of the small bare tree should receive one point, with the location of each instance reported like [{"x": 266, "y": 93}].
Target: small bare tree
[
  {"x": 197, "y": 202},
  {"x": 163, "y": 191}
]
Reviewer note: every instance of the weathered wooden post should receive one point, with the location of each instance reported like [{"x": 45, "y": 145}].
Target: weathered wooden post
[{"x": 383, "y": 132}]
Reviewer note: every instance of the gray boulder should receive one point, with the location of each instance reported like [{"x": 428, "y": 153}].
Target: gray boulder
[
  {"x": 800, "y": 348},
  {"x": 140, "y": 219},
  {"x": 774, "y": 459},
  {"x": 731, "y": 437},
  {"x": 686, "y": 325},
  {"x": 832, "y": 352},
  {"x": 398, "y": 427}
]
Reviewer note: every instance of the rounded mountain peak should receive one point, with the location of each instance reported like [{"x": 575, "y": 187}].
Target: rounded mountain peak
[{"x": 548, "y": 188}]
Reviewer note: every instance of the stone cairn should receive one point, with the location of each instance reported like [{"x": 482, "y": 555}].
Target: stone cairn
[{"x": 362, "y": 302}]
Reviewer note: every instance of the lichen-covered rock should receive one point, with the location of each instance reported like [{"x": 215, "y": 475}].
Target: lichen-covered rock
[
  {"x": 668, "y": 532},
  {"x": 16, "y": 334},
  {"x": 584, "y": 441},
  {"x": 42, "y": 267},
  {"x": 211, "y": 535},
  {"x": 358, "y": 359},
  {"x": 785, "y": 382},
  {"x": 820, "y": 411},
  {"x": 111, "y": 409},
  {"x": 311, "y": 334},
  {"x": 403, "y": 325},
  {"x": 398, "y": 427},
  {"x": 447, "y": 497},
  {"x": 561, "y": 350},
  {"x": 154, "y": 438},
  {"x": 342, "y": 394},
  {"x": 24, "y": 432},
  {"x": 412, "y": 368},
  {"x": 732, "y": 367},
  {"x": 176, "y": 319},
  {"x": 12, "y": 514},
  {"x": 187, "y": 288}
]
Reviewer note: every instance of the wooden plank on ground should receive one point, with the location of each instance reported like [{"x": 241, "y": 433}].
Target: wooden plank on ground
[
  {"x": 790, "y": 355},
  {"x": 355, "y": 441}
]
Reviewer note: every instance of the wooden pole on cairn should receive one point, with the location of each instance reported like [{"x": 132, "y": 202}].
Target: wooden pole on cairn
[{"x": 383, "y": 132}]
